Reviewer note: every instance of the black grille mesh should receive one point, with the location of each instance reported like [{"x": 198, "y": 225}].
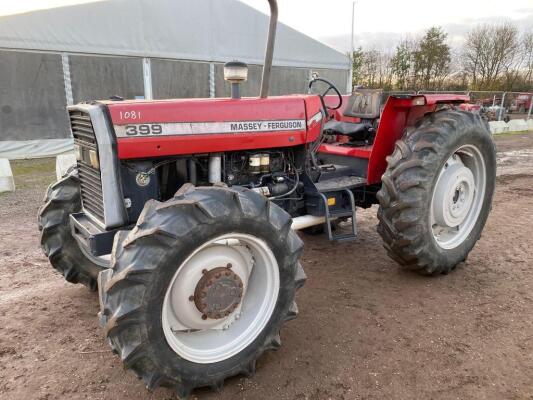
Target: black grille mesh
[{"x": 90, "y": 178}]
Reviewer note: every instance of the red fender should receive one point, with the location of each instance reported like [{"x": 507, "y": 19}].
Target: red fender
[{"x": 398, "y": 114}]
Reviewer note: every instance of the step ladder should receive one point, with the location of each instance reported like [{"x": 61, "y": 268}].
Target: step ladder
[{"x": 332, "y": 215}]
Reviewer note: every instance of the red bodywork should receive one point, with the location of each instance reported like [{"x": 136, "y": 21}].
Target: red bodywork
[
  {"x": 198, "y": 114},
  {"x": 211, "y": 111},
  {"x": 473, "y": 108},
  {"x": 522, "y": 101}
]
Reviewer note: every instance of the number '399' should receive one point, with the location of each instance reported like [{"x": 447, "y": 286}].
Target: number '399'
[{"x": 144, "y": 129}]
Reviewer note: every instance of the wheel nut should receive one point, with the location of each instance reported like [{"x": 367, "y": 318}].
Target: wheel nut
[
  {"x": 204, "y": 317},
  {"x": 191, "y": 298},
  {"x": 229, "y": 265},
  {"x": 204, "y": 271}
]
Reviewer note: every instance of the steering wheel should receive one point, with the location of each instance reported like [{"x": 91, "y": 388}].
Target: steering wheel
[{"x": 331, "y": 86}]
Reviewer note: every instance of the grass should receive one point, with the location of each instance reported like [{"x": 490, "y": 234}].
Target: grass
[
  {"x": 33, "y": 173},
  {"x": 513, "y": 133}
]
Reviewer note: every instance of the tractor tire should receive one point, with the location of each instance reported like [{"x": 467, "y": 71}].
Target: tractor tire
[
  {"x": 437, "y": 191},
  {"x": 62, "y": 199},
  {"x": 150, "y": 261}
]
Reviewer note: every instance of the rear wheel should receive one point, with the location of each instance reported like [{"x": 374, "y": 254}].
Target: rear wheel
[
  {"x": 66, "y": 256},
  {"x": 437, "y": 191},
  {"x": 200, "y": 288}
]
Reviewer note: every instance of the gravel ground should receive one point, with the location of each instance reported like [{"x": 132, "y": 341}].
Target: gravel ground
[{"x": 366, "y": 330}]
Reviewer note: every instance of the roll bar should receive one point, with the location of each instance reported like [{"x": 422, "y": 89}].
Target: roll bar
[{"x": 269, "y": 53}]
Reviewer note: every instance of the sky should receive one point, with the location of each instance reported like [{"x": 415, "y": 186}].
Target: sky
[{"x": 378, "y": 23}]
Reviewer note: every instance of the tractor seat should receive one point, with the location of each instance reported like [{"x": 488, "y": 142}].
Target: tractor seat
[{"x": 355, "y": 131}]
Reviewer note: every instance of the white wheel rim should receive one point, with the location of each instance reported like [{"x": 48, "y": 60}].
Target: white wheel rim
[
  {"x": 458, "y": 196},
  {"x": 210, "y": 340}
]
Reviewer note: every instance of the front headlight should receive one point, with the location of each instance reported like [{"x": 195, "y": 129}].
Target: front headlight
[
  {"x": 235, "y": 72},
  {"x": 93, "y": 157}
]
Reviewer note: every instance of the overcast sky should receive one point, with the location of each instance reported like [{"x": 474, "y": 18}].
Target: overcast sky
[
  {"x": 378, "y": 23},
  {"x": 382, "y": 22}
]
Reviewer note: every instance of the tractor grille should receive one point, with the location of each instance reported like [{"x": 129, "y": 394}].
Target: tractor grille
[{"x": 90, "y": 178}]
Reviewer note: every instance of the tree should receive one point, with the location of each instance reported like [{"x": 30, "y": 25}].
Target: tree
[
  {"x": 495, "y": 57},
  {"x": 401, "y": 65},
  {"x": 371, "y": 68},
  {"x": 431, "y": 59},
  {"x": 490, "y": 54},
  {"x": 385, "y": 74},
  {"x": 527, "y": 56},
  {"x": 357, "y": 65}
]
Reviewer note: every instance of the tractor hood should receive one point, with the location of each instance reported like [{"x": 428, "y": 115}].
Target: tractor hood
[{"x": 177, "y": 127}]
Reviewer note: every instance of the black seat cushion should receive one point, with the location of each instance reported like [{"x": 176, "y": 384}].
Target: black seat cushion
[{"x": 356, "y": 131}]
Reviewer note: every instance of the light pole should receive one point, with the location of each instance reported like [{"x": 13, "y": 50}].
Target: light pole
[
  {"x": 350, "y": 80},
  {"x": 353, "y": 24}
]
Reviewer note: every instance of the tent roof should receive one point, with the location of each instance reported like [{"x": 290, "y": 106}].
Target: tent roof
[{"x": 204, "y": 30}]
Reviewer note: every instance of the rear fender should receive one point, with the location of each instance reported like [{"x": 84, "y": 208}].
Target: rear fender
[{"x": 398, "y": 114}]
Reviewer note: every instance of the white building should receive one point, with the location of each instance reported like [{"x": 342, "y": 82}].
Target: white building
[{"x": 135, "y": 49}]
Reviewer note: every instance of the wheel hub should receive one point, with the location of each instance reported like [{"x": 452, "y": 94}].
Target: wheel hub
[
  {"x": 218, "y": 293},
  {"x": 454, "y": 194},
  {"x": 458, "y": 197},
  {"x": 220, "y": 298}
]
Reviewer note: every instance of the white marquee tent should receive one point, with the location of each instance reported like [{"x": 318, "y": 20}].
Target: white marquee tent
[{"x": 136, "y": 48}]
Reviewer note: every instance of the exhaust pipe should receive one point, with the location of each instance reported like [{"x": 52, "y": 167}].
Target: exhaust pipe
[{"x": 269, "y": 54}]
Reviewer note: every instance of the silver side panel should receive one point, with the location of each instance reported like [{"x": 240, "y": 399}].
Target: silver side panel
[{"x": 114, "y": 210}]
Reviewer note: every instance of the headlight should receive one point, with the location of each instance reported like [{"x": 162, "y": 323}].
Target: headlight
[
  {"x": 93, "y": 156},
  {"x": 235, "y": 72}
]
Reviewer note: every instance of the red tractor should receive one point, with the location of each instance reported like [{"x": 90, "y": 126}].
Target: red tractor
[
  {"x": 522, "y": 103},
  {"x": 183, "y": 213}
]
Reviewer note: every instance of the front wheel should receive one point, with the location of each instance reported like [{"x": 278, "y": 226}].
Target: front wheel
[
  {"x": 62, "y": 199},
  {"x": 200, "y": 288},
  {"x": 437, "y": 191}
]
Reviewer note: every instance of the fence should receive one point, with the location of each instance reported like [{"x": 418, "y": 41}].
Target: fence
[{"x": 503, "y": 103}]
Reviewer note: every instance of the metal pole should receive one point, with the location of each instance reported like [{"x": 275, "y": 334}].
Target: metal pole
[
  {"x": 212, "y": 83},
  {"x": 269, "y": 53},
  {"x": 530, "y": 108},
  {"x": 353, "y": 24},
  {"x": 147, "y": 79},
  {"x": 66, "y": 78},
  {"x": 350, "y": 80},
  {"x": 500, "y": 111}
]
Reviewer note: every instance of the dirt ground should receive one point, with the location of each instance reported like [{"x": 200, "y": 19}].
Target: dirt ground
[{"x": 366, "y": 330}]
